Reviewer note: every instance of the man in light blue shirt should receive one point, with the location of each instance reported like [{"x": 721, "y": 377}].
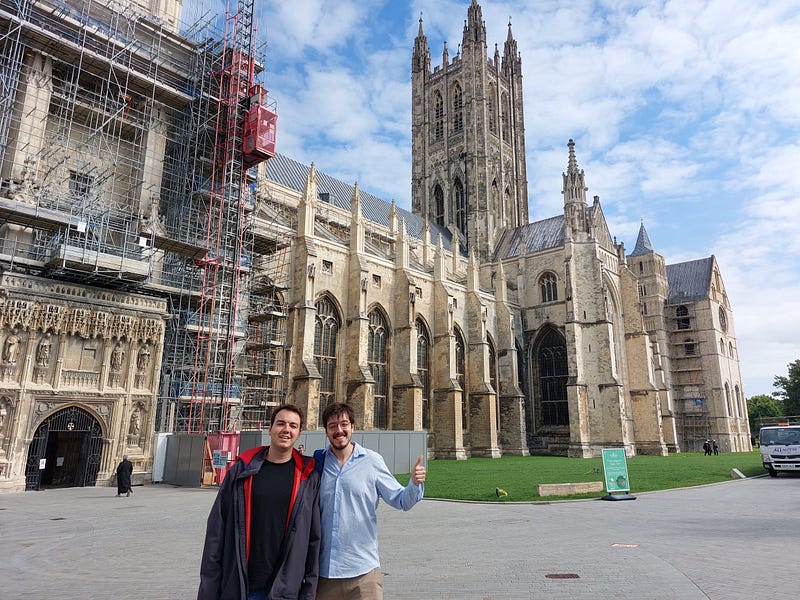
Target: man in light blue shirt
[{"x": 354, "y": 478}]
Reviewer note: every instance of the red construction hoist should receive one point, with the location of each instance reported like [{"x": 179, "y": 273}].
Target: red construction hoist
[{"x": 244, "y": 136}]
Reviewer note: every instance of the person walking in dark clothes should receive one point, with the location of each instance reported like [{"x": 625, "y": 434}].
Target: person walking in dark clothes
[{"x": 124, "y": 472}]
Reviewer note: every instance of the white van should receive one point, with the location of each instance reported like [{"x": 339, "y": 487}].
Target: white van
[{"x": 780, "y": 448}]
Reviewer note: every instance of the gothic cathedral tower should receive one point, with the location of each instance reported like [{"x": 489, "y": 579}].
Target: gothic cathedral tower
[{"x": 468, "y": 138}]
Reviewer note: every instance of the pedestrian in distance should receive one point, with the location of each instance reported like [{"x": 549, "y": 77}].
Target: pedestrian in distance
[
  {"x": 354, "y": 478},
  {"x": 707, "y": 448},
  {"x": 124, "y": 472},
  {"x": 263, "y": 532},
  {"x": 715, "y": 447}
]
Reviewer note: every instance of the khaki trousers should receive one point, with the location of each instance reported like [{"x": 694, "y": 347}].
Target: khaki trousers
[{"x": 368, "y": 586}]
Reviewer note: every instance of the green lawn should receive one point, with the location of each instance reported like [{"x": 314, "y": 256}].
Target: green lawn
[{"x": 477, "y": 478}]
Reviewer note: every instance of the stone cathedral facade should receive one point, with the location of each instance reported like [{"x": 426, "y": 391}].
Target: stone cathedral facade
[{"x": 460, "y": 317}]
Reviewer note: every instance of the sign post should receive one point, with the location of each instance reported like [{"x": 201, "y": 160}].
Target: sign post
[{"x": 615, "y": 470}]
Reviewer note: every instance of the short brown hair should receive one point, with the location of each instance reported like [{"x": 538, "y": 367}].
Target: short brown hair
[
  {"x": 335, "y": 410},
  {"x": 291, "y": 408}
]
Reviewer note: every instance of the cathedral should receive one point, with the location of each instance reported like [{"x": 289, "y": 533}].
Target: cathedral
[{"x": 121, "y": 321}]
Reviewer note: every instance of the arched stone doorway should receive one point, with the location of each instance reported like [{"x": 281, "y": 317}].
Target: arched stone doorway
[{"x": 70, "y": 443}]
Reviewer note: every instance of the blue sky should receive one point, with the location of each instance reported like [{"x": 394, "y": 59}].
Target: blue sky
[{"x": 685, "y": 114}]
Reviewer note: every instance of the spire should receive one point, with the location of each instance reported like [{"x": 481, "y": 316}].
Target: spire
[
  {"x": 401, "y": 251},
  {"x": 356, "y": 222},
  {"x": 511, "y": 57},
  {"x": 308, "y": 203},
  {"x": 474, "y": 27},
  {"x": 393, "y": 218},
  {"x": 574, "y": 189},
  {"x": 643, "y": 243},
  {"x": 421, "y": 59},
  {"x": 445, "y": 55}
]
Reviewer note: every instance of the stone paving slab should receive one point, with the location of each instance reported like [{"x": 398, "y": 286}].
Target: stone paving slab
[{"x": 722, "y": 542}]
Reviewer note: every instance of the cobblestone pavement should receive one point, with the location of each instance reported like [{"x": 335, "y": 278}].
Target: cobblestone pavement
[{"x": 726, "y": 541}]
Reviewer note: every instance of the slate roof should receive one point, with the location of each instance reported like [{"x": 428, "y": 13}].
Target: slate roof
[
  {"x": 292, "y": 174},
  {"x": 689, "y": 281},
  {"x": 530, "y": 238}
]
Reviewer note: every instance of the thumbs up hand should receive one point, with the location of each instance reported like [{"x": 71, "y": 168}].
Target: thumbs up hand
[{"x": 418, "y": 473}]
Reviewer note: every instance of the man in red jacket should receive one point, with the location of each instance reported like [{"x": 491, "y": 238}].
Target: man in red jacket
[{"x": 263, "y": 532}]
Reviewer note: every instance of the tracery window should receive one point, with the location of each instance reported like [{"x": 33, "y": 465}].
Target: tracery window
[
  {"x": 326, "y": 329},
  {"x": 506, "y": 117},
  {"x": 378, "y": 365},
  {"x": 552, "y": 365},
  {"x": 461, "y": 206},
  {"x": 423, "y": 371},
  {"x": 461, "y": 377},
  {"x": 438, "y": 117},
  {"x": 438, "y": 205},
  {"x": 491, "y": 110},
  {"x": 458, "y": 109},
  {"x": 548, "y": 284}
]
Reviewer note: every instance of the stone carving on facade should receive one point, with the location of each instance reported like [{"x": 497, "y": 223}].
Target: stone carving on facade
[
  {"x": 16, "y": 314},
  {"x": 43, "y": 351},
  {"x": 22, "y": 190},
  {"x": 117, "y": 358},
  {"x": 122, "y": 326},
  {"x": 142, "y": 365},
  {"x": 11, "y": 348},
  {"x": 312, "y": 270},
  {"x": 135, "y": 425}
]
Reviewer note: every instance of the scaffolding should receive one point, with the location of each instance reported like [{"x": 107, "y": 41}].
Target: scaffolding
[{"x": 128, "y": 160}]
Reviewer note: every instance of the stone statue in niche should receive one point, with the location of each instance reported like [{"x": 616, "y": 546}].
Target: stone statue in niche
[
  {"x": 135, "y": 425},
  {"x": 43, "y": 351},
  {"x": 117, "y": 356},
  {"x": 143, "y": 359},
  {"x": 11, "y": 348}
]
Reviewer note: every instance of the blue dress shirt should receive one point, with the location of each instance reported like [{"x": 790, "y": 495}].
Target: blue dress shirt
[{"x": 348, "y": 502}]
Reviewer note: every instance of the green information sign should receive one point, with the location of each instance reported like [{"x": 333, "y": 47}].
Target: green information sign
[{"x": 615, "y": 469}]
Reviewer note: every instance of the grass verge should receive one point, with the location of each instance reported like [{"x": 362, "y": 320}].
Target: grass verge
[{"x": 477, "y": 478}]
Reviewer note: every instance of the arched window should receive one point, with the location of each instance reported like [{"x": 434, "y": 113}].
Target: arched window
[
  {"x": 326, "y": 329},
  {"x": 552, "y": 371},
  {"x": 438, "y": 117},
  {"x": 723, "y": 319},
  {"x": 689, "y": 347},
  {"x": 461, "y": 377},
  {"x": 740, "y": 405},
  {"x": 722, "y": 346},
  {"x": 461, "y": 206},
  {"x": 730, "y": 350},
  {"x": 423, "y": 371},
  {"x": 490, "y": 109},
  {"x": 506, "y": 117},
  {"x": 548, "y": 283},
  {"x": 495, "y": 208},
  {"x": 378, "y": 365},
  {"x": 438, "y": 205},
  {"x": 493, "y": 375},
  {"x": 682, "y": 314},
  {"x": 728, "y": 400},
  {"x": 458, "y": 109}
]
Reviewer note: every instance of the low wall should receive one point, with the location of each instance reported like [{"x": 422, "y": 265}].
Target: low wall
[{"x": 569, "y": 489}]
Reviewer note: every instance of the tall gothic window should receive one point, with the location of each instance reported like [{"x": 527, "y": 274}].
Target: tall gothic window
[
  {"x": 438, "y": 117},
  {"x": 326, "y": 328},
  {"x": 458, "y": 109},
  {"x": 461, "y": 357},
  {"x": 552, "y": 367},
  {"x": 506, "y": 117},
  {"x": 461, "y": 206},
  {"x": 493, "y": 375},
  {"x": 438, "y": 205},
  {"x": 423, "y": 371},
  {"x": 378, "y": 365},
  {"x": 548, "y": 285},
  {"x": 490, "y": 109},
  {"x": 682, "y": 315}
]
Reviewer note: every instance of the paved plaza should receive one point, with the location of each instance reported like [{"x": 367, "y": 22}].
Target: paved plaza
[{"x": 726, "y": 541}]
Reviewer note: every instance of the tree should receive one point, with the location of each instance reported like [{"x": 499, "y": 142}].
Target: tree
[
  {"x": 759, "y": 407},
  {"x": 789, "y": 390}
]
